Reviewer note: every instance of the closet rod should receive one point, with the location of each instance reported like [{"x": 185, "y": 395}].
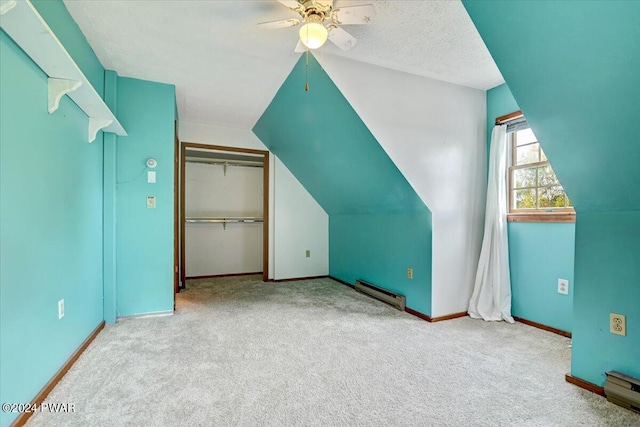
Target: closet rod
[
  {"x": 223, "y": 220},
  {"x": 249, "y": 165}
]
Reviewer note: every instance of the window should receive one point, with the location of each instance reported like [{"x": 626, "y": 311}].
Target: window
[{"x": 534, "y": 189}]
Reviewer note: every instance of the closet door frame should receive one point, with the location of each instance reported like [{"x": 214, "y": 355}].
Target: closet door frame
[
  {"x": 176, "y": 215},
  {"x": 265, "y": 201}
]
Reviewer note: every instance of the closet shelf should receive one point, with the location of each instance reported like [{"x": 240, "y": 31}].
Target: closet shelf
[
  {"x": 225, "y": 164},
  {"x": 222, "y": 220},
  {"x": 22, "y": 22}
]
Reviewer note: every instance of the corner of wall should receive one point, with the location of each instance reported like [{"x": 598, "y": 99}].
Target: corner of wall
[
  {"x": 378, "y": 225},
  {"x": 607, "y": 277},
  {"x": 379, "y": 247},
  {"x": 438, "y": 153},
  {"x": 539, "y": 253},
  {"x": 144, "y": 236},
  {"x": 301, "y": 225}
]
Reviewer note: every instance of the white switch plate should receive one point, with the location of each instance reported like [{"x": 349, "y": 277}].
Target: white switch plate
[
  {"x": 409, "y": 273},
  {"x": 618, "y": 324},
  {"x": 60, "y": 309},
  {"x": 151, "y": 177},
  {"x": 151, "y": 202},
  {"x": 563, "y": 286}
]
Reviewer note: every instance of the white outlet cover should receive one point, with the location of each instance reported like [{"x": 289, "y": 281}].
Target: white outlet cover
[
  {"x": 618, "y": 324},
  {"x": 151, "y": 177},
  {"x": 60, "y": 309},
  {"x": 563, "y": 286},
  {"x": 151, "y": 202}
]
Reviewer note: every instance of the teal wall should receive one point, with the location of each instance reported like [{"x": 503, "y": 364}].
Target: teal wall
[
  {"x": 607, "y": 281},
  {"x": 58, "y": 210},
  {"x": 575, "y": 75},
  {"x": 378, "y": 248},
  {"x": 500, "y": 101},
  {"x": 66, "y": 29},
  {"x": 573, "y": 69},
  {"x": 144, "y": 237},
  {"x": 51, "y": 229},
  {"x": 539, "y": 253},
  {"x": 324, "y": 143}
]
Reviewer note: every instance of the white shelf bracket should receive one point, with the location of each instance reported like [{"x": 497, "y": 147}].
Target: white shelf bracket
[
  {"x": 59, "y": 88},
  {"x": 22, "y": 22},
  {"x": 6, "y": 6},
  {"x": 95, "y": 125}
]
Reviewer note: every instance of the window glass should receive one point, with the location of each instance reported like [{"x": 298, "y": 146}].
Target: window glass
[
  {"x": 534, "y": 186},
  {"x": 524, "y": 177},
  {"x": 526, "y": 136},
  {"x": 528, "y": 154}
]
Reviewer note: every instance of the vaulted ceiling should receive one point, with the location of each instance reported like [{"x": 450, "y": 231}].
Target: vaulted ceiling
[{"x": 227, "y": 70}]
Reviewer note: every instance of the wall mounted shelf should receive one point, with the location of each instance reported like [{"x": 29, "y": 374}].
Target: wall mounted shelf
[{"x": 22, "y": 22}]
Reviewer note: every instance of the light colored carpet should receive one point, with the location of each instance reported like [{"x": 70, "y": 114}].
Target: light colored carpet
[{"x": 239, "y": 352}]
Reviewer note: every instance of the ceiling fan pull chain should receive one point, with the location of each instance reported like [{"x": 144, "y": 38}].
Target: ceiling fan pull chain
[{"x": 306, "y": 83}]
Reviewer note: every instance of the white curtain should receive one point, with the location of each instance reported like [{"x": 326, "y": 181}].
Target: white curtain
[{"x": 491, "y": 299}]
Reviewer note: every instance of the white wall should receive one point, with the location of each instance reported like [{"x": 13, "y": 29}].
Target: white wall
[
  {"x": 212, "y": 249},
  {"x": 302, "y": 205},
  {"x": 300, "y": 225},
  {"x": 435, "y": 134}
]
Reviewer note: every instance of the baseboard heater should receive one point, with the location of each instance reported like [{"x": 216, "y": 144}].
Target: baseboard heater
[
  {"x": 395, "y": 300},
  {"x": 623, "y": 390}
]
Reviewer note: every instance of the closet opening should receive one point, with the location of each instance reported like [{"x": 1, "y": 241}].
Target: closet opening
[{"x": 224, "y": 206}]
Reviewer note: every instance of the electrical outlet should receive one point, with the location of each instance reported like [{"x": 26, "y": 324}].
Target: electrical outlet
[
  {"x": 151, "y": 202},
  {"x": 409, "y": 273},
  {"x": 60, "y": 309},
  {"x": 563, "y": 286},
  {"x": 308, "y": 253},
  {"x": 618, "y": 324}
]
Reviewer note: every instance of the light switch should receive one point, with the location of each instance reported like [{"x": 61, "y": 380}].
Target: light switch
[
  {"x": 151, "y": 177},
  {"x": 151, "y": 202}
]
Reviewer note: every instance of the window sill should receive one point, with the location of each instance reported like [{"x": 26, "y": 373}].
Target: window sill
[{"x": 542, "y": 217}]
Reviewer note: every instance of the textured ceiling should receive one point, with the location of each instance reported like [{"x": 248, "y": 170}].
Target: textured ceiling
[{"x": 227, "y": 71}]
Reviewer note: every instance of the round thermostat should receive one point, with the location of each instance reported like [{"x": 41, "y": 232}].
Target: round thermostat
[{"x": 151, "y": 163}]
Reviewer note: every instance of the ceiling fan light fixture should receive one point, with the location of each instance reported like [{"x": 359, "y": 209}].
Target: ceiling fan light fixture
[{"x": 313, "y": 35}]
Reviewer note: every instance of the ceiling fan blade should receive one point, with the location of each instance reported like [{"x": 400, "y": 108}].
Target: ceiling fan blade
[
  {"x": 341, "y": 38},
  {"x": 300, "y": 47},
  {"x": 274, "y": 25},
  {"x": 293, "y": 5},
  {"x": 353, "y": 14}
]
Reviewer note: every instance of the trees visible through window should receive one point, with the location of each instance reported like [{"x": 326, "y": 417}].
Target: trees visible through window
[{"x": 534, "y": 187}]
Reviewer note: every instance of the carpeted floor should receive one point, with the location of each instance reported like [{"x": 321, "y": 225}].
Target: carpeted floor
[{"x": 239, "y": 352}]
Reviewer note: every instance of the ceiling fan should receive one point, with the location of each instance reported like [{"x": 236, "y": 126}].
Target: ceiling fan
[{"x": 321, "y": 21}]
